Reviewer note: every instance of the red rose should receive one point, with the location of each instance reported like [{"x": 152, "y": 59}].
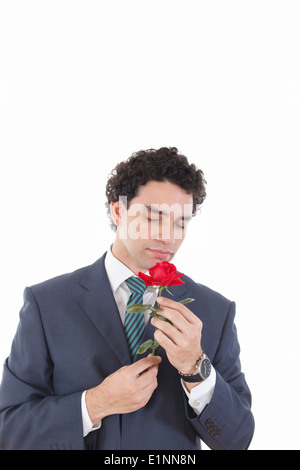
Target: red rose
[{"x": 162, "y": 274}]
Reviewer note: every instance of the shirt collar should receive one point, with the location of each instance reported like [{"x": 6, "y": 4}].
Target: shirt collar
[{"x": 116, "y": 271}]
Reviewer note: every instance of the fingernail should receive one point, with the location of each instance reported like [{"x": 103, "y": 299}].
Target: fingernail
[{"x": 160, "y": 299}]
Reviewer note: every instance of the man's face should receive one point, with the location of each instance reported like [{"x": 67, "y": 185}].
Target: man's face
[{"x": 153, "y": 227}]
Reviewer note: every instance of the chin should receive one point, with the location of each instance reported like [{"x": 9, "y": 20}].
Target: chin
[{"x": 146, "y": 262}]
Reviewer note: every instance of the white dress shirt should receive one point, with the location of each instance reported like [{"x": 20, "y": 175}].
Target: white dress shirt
[{"x": 117, "y": 273}]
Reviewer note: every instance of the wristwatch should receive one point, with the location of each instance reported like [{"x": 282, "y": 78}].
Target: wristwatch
[{"x": 203, "y": 370}]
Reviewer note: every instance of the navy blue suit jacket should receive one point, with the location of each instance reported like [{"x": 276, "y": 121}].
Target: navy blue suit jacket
[{"x": 70, "y": 337}]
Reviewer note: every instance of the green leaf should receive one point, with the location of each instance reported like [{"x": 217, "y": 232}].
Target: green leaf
[
  {"x": 154, "y": 344},
  {"x": 138, "y": 308},
  {"x": 144, "y": 346},
  {"x": 154, "y": 311},
  {"x": 186, "y": 301},
  {"x": 164, "y": 319}
]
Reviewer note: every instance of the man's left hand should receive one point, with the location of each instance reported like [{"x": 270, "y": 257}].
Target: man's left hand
[{"x": 182, "y": 341}]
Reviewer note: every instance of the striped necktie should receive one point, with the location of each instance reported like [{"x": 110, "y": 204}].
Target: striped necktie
[{"x": 134, "y": 322}]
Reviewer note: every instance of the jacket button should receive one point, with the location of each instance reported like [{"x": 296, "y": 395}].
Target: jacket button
[
  {"x": 214, "y": 430},
  {"x": 209, "y": 424}
]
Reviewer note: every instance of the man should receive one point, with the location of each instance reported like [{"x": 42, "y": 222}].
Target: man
[{"x": 73, "y": 381}]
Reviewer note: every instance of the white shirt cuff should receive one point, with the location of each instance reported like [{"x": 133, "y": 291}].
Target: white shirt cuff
[
  {"x": 201, "y": 395},
  {"x": 86, "y": 420}
]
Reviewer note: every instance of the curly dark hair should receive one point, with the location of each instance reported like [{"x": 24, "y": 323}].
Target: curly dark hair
[{"x": 154, "y": 165}]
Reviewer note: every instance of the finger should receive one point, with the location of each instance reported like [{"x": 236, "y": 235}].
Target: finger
[
  {"x": 170, "y": 331},
  {"x": 143, "y": 364},
  {"x": 148, "y": 377},
  {"x": 165, "y": 342},
  {"x": 176, "y": 318},
  {"x": 149, "y": 389},
  {"x": 182, "y": 309}
]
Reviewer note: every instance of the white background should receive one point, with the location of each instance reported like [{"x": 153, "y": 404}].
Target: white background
[{"x": 83, "y": 84}]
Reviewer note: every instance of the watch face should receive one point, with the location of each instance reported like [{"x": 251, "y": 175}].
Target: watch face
[{"x": 205, "y": 368}]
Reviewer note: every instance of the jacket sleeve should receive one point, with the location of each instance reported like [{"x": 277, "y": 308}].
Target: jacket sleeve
[
  {"x": 226, "y": 423},
  {"x": 32, "y": 416}
]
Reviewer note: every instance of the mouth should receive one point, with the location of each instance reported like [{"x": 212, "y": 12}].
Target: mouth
[{"x": 161, "y": 254}]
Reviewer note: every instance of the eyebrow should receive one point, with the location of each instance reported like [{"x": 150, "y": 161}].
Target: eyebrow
[{"x": 156, "y": 211}]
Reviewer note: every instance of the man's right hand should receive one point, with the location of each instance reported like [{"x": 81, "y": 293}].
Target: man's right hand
[{"x": 126, "y": 390}]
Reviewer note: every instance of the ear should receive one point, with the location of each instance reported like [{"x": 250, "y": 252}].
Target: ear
[
  {"x": 115, "y": 212},
  {"x": 118, "y": 210}
]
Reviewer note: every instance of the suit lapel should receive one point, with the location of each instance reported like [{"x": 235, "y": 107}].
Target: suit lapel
[{"x": 99, "y": 305}]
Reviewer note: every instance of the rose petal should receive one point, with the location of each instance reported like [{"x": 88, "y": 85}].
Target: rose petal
[
  {"x": 164, "y": 274},
  {"x": 147, "y": 279}
]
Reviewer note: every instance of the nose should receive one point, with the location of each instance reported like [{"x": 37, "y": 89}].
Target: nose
[{"x": 165, "y": 233}]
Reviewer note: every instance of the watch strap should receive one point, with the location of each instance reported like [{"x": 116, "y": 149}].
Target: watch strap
[
  {"x": 196, "y": 377},
  {"x": 191, "y": 378}
]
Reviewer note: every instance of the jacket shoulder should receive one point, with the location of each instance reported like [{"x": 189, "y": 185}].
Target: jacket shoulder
[
  {"x": 69, "y": 283},
  {"x": 206, "y": 294},
  {"x": 59, "y": 282}
]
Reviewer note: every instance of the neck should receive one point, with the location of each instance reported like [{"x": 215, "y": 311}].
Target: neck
[{"x": 121, "y": 253}]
